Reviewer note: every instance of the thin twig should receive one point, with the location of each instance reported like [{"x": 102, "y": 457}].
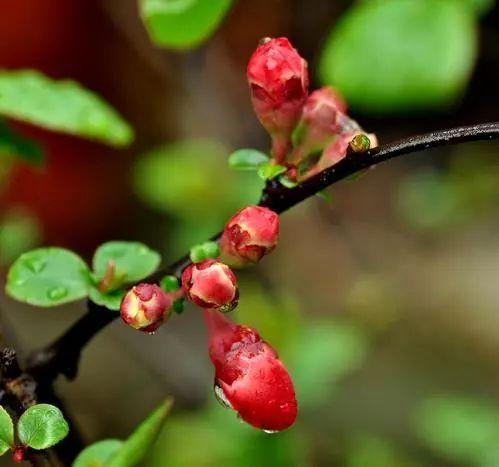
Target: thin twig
[{"x": 62, "y": 356}]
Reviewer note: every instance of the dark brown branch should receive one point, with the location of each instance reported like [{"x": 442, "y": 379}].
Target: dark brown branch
[{"x": 62, "y": 356}]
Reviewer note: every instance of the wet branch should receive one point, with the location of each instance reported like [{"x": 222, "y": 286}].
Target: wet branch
[{"x": 63, "y": 355}]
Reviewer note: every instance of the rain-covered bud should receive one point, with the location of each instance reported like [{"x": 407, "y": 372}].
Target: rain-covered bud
[
  {"x": 146, "y": 306},
  {"x": 211, "y": 284},
  {"x": 18, "y": 455},
  {"x": 322, "y": 110},
  {"x": 278, "y": 80},
  {"x": 323, "y": 118},
  {"x": 249, "y": 235},
  {"x": 249, "y": 377}
]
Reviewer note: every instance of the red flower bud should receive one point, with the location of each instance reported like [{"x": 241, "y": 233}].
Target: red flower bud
[
  {"x": 18, "y": 455},
  {"x": 146, "y": 306},
  {"x": 278, "y": 79},
  {"x": 249, "y": 377},
  {"x": 249, "y": 235},
  {"x": 211, "y": 284}
]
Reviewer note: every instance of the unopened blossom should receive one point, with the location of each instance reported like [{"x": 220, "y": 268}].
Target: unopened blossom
[
  {"x": 278, "y": 80},
  {"x": 146, "y": 306},
  {"x": 249, "y": 377},
  {"x": 323, "y": 118},
  {"x": 211, "y": 284},
  {"x": 249, "y": 235}
]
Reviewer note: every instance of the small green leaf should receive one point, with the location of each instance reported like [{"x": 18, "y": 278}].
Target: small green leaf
[
  {"x": 247, "y": 159},
  {"x": 13, "y": 144},
  {"x": 285, "y": 181},
  {"x": 64, "y": 106},
  {"x": 459, "y": 428},
  {"x": 6, "y": 431},
  {"x": 48, "y": 277},
  {"x": 133, "y": 260},
  {"x": 178, "y": 306},
  {"x": 326, "y": 196},
  {"x": 398, "y": 55},
  {"x": 19, "y": 232},
  {"x": 479, "y": 7},
  {"x": 111, "y": 300},
  {"x": 333, "y": 351},
  {"x": 42, "y": 426},
  {"x": 204, "y": 251},
  {"x": 269, "y": 170},
  {"x": 169, "y": 283},
  {"x": 138, "y": 444},
  {"x": 182, "y": 23},
  {"x": 98, "y": 454}
]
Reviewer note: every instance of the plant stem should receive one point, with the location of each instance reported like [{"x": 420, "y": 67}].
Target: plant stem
[{"x": 62, "y": 356}]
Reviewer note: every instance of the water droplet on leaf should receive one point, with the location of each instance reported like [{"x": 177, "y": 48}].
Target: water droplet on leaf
[
  {"x": 58, "y": 292},
  {"x": 35, "y": 265},
  {"x": 220, "y": 397},
  {"x": 270, "y": 432}
]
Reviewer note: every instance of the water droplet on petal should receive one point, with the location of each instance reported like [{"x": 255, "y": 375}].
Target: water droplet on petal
[
  {"x": 270, "y": 432},
  {"x": 220, "y": 397},
  {"x": 35, "y": 265},
  {"x": 58, "y": 292}
]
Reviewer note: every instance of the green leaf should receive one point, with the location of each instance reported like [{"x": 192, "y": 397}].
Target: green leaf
[
  {"x": 204, "y": 251},
  {"x": 133, "y": 260},
  {"x": 326, "y": 196},
  {"x": 247, "y": 159},
  {"x": 111, "y": 300},
  {"x": 6, "y": 431},
  {"x": 64, "y": 106},
  {"x": 98, "y": 454},
  {"x": 139, "y": 443},
  {"x": 460, "y": 428},
  {"x": 12, "y": 144},
  {"x": 42, "y": 426},
  {"x": 178, "y": 305},
  {"x": 48, "y": 277},
  {"x": 182, "y": 23},
  {"x": 398, "y": 55},
  {"x": 479, "y": 7},
  {"x": 285, "y": 181},
  {"x": 269, "y": 170},
  {"x": 178, "y": 180},
  {"x": 169, "y": 283},
  {"x": 19, "y": 232},
  {"x": 333, "y": 351}
]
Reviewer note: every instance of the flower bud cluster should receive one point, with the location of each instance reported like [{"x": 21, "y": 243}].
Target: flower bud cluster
[{"x": 321, "y": 129}]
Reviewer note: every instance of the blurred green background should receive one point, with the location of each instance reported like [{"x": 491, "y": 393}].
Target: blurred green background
[{"x": 384, "y": 303}]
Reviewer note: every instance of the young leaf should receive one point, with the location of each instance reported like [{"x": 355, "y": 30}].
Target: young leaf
[
  {"x": 133, "y": 260},
  {"x": 285, "y": 181},
  {"x": 269, "y": 170},
  {"x": 399, "y": 55},
  {"x": 111, "y": 300},
  {"x": 169, "y": 283},
  {"x": 182, "y": 23},
  {"x": 41, "y": 426},
  {"x": 63, "y": 106},
  {"x": 48, "y": 277},
  {"x": 98, "y": 454},
  {"x": 142, "y": 439},
  {"x": 204, "y": 251},
  {"x": 6, "y": 431},
  {"x": 12, "y": 144},
  {"x": 247, "y": 159},
  {"x": 19, "y": 232}
]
